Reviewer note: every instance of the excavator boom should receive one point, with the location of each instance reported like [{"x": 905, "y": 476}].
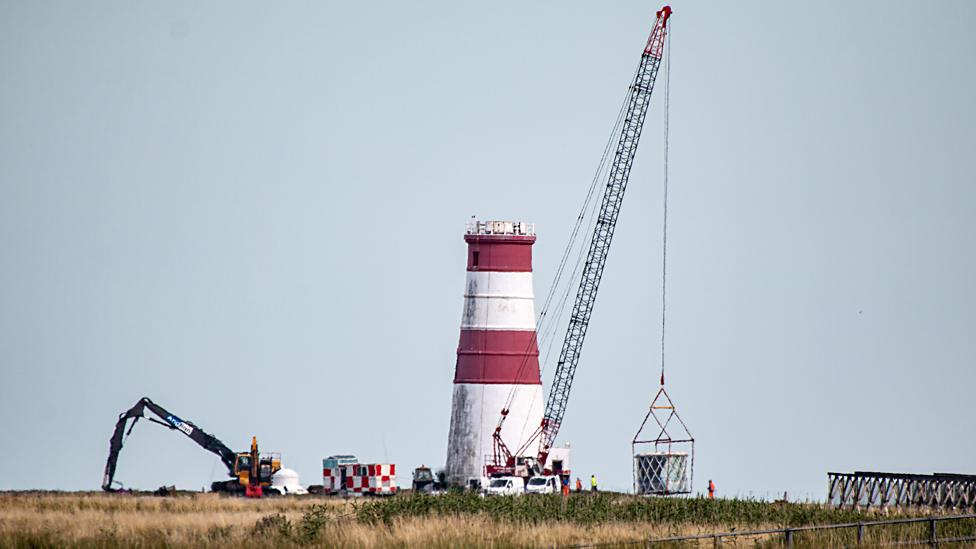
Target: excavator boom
[{"x": 130, "y": 417}]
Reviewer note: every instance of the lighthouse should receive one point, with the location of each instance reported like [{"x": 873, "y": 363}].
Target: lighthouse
[{"x": 497, "y": 357}]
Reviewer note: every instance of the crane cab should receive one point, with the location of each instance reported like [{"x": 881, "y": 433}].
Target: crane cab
[
  {"x": 268, "y": 464},
  {"x": 254, "y": 470}
]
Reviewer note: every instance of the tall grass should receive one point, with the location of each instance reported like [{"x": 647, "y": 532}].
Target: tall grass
[
  {"x": 451, "y": 520},
  {"x": 602, "y": 507}
]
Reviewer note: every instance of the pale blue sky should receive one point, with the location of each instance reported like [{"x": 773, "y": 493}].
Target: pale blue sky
[{"x": 253, "y": 214}]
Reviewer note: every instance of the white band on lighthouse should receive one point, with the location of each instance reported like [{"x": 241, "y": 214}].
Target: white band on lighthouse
[
  {"x": 497, "y": 284},
  {"x": 498, "y": 301}
]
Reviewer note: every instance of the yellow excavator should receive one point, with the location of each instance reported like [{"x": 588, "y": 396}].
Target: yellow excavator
[{"x": 250, "y": 471}]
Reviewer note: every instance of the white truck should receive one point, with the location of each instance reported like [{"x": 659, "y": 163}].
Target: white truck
[
  {"x": 506, "y": 486},
  {"x": 546, "y": 484}
]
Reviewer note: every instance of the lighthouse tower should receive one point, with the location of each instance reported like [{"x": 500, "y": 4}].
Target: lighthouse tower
[{"x": 497, "y": 357}]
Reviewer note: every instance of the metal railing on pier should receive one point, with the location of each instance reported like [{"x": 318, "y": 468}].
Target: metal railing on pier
[{"x": 871, "y": 490}]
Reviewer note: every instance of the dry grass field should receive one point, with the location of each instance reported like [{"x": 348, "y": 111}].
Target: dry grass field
[
  {"x": 108, "y": 520},
  {"x": 208, "y": 520}
]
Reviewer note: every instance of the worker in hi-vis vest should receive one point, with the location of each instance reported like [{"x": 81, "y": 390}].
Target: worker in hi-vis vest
[
  {"x": 711, "y": 489},
  {"x": 579, "y": 485},
  {"x": 593, "y": 483}
]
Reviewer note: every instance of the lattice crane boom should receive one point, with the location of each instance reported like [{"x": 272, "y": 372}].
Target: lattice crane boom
[{"x": 606, "y": 222}]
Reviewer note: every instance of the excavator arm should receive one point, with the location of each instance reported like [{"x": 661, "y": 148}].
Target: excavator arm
[{"x": 128, "y": 420}]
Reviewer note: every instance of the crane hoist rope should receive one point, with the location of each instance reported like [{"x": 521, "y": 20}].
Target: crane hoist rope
[
  {"x": 670, "y": 468},
  {"x": 664, "y": 232}
]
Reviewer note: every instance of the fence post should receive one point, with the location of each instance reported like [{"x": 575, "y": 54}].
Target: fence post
[
  {"x": 718, "y": 541},
  {"x": 789, "y": 537},
  {"x": 933, "y": 540},
  {"x": 860, "y": 533}
]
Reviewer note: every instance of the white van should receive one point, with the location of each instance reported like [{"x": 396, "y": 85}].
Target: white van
[
  {"x": 506, "y": 486},
  {"x": 543, "y": 485}
]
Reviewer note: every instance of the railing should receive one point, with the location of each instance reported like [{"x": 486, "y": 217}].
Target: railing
[
  {"x": 515, "y": 228},
  {"x": 865, "y": 490},
  {"x": 788, "y": 534}
]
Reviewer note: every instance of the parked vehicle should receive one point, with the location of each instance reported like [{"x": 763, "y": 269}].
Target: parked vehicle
[
  {"x": 334, "y": 472},
  {"x": 506, "y": 486},
  {"x": 426, "y": 481},
  {"x": 547, "y": 484},
  {"x": 343, "y": 474}
]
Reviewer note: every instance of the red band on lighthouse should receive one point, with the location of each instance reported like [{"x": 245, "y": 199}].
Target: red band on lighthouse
[
  {"x": 497, "y": 356},
  {"x": 499, "y": 253}
]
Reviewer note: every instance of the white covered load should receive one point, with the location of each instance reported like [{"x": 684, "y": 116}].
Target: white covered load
[
  {"x": 285, "y": 481},
  {"x": 662, "y": 473}
]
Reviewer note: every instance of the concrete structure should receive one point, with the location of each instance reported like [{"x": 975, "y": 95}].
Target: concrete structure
[{"x": 497, "y": 356}]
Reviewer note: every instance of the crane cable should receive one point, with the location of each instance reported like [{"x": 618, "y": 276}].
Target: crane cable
[
  {"x": 664, "y": 243},
  {"x": 585, "y": 222},
  {"x": 561, "y": 285}
]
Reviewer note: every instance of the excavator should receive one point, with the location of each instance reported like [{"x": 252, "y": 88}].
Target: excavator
[{"x": 250, "y": 471}]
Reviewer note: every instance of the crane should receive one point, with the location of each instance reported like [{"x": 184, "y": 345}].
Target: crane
[{"x": 637, "y": 102}]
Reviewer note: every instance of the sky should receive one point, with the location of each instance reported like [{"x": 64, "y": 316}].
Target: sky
[{"x": 254, "y": 215}]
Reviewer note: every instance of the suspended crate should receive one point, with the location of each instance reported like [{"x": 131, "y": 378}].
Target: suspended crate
[
  {"x": 670, "y": 468},
  {"x": 662, "y": 473}
]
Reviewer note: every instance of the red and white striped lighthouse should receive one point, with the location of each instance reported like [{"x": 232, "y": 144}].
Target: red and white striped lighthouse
[{"x": 497, "y": 356}]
